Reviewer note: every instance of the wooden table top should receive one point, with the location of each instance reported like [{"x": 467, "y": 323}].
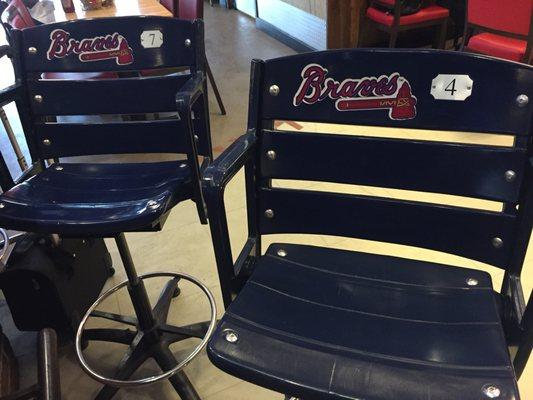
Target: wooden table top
[{"x": 121, "y": 8}]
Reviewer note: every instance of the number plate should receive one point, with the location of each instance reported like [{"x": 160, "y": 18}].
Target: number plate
[
  {"x": 451, "y": 87},
  {"x": 151, "y": 39}
]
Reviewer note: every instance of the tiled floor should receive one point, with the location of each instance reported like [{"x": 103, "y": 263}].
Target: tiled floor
[{"x": 185, "y": 245}]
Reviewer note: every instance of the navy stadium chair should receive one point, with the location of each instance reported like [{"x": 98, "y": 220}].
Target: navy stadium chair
[
  {"x": 321, "y": 323},
  {"x": 90, "y": 199}
]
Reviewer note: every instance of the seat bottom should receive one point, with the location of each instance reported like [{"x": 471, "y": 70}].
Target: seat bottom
[
  {"x": 320, "y": 323},
  {"x": 95, "y": 199},
  {"x": 498, "y": 46}
]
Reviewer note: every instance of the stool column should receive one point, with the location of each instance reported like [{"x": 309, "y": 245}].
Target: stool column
[{"x": 136, "y": 288}]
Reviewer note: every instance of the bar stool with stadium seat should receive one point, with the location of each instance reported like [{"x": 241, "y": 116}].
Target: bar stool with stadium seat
[
  {"x": 390, "y": 16},
  {"x": 90, "y": 199},
  {"x": 500, "y": 29},
  {"x": 191, "y": 10},
  {"x": 322, "y": 323}
]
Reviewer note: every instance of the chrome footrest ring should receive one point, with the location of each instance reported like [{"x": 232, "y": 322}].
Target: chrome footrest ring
[{"x": 155, "y": 378}]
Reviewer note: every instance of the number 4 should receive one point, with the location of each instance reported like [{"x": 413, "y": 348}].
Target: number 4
[{"x": 451, "y": 88}]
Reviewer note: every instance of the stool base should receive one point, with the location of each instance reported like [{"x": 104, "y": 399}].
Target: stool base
[{"x": 153, "y": 343}]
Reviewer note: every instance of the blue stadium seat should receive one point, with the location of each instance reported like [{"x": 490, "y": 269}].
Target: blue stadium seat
[
  {"x": 320, "y": 323},
  {"x": 152, "y": 115}
]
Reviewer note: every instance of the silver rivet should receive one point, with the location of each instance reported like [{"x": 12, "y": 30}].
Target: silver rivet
[
  {"x": 59, "y": 168},
  {"x": 282, "y": 253},
  {"x": 2, "y": 205},
  {"x": 183, "y": 165},
  {"x": 269, "y": 213},
  {"x": 188, "y": 42},
  {"x": 32, "y": 50},
  {"x": 472, "y": 282},
  {"x": 271, "y": 154},
  {"x": 510, "y": 175},
  {"x": 522, "y": 100},
  {"x": 153, "y": 205},
  {"x": 231, "y": 336},
  {"x": 38, "y": 98},
  {"x": 274, "y": 90},
  {"x": 491, "y": 391},
  {"x": 47, "y": 142},
  {"x": 196, "y": 138},
  {"x": 497, "y": 242}
]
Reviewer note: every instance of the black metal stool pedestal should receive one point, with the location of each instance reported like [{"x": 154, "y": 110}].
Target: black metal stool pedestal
[{"x": 153, "y": 336}]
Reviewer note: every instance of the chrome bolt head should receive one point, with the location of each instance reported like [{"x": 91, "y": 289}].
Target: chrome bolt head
[
  {"x": 510, "y": 175},
  {"x": 47, "y": 142},
  {"x": 271, "y": 154},
  {"x": 153, "y": 205},
  {"x": 472, "y": 282},
  {"x": 522, "y": 100},
  {"x": 231, "y": 336},
  {"x": 269, "y": 213},
  {"x": 59, "y": 168},
  {"x": 497, "y": 242},
  {"x": 38, "y": 98},
  {"x": 282, "y": 253},
  {"x": 274, "y": 90},
  {"x": 491, "y": 391},
  {"x": 196, "y": 138},
  {"x": 32, "y": 50},
  {"x": 188, "y": 42}
]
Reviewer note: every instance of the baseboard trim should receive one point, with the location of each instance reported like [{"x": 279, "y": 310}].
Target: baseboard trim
[{"x": 283, "y": 37}]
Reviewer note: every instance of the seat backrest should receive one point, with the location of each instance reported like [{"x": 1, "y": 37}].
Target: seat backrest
[
  {"x": 185, "y": 9},
  {"x": 423, "y": 93},
  {"x": 504, "y": 16},
  {"x": 170, "y": 5},
  {"x": 125, "y": 45},
  {"x": 191, "y": 9},
  {"x": 18, "y": 15}
]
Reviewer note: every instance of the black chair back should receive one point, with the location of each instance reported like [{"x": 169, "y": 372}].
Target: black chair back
[{"x": 359, "y": 88}]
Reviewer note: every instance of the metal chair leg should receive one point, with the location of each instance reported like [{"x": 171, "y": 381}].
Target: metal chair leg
[
  {"x": 393, "y": 38},
  {"x": 181, "y": 383},
  {"x": 215, "y": 88},
  {"x": 441, "y": 35},
  {"x": 13, "y": 140},
  {"x": 132, "y": 360}
]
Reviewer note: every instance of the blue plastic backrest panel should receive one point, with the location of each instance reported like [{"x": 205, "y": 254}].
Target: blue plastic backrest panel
[
  {"x": 393, "y": 88},
  {"x": 125, "y": 48},
  {"x": 111, "y": 44}
]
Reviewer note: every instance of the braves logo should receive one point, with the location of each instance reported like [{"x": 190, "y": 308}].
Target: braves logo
[
  {"x": 386, "y": 92},
  {"x": 113, "y": 46}
]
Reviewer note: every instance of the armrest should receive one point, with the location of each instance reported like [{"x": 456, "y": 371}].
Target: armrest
[
  {"x": 526, "y": 341},
  {"x": 216, "y": 176},
  {"x": 9, "y": 94},
  {"x": 5, "y": 51},
  {"x": 188, "y": 94},
  {"x": 224, "y": 168}
]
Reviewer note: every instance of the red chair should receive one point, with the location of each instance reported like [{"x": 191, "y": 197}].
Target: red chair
[
  {"x": 500, "y": 29},
  {"x": 19, "y": 17},
  {"x": 394, "y": 22},
  {"x": 191, "y": 10}
]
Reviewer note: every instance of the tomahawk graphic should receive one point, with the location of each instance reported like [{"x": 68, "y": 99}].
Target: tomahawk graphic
[
  {"x": 403, "y": 106},
  {"x": 122, "y": 55}
]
